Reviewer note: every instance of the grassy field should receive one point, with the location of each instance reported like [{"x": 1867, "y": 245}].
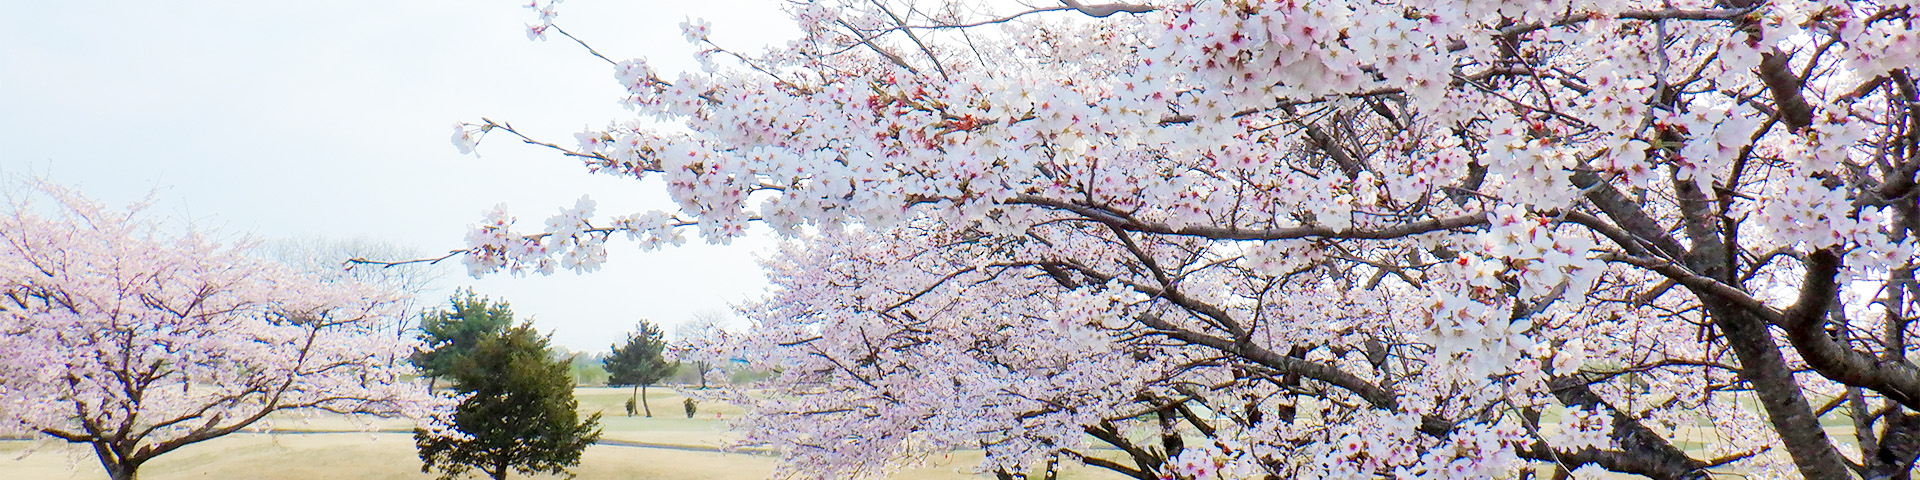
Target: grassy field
[
  {"x": 390, "y": 456},
  {"x": 314, "y": 448},
  {"x": 293, "y": 454}
]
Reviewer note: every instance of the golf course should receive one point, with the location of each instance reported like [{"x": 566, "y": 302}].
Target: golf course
[{"x": 666, "y": 446}]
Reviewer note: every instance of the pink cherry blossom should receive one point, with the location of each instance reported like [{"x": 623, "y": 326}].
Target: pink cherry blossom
[
  {"x": 1332, "y": 239},
  {"x": 139, "y": 337}
]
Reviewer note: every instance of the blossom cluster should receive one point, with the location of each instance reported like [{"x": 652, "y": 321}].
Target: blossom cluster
[
  {"x": 1383, "y": 234},
  {"x": 114, "y": 321}
]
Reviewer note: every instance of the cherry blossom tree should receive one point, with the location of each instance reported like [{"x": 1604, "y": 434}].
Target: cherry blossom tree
[
  {"x": 329, "y": 257},
  {"x": 701, "y": 332},
  {"x": 1285, "y": 239},
  {"x": 138, "y": 339}
]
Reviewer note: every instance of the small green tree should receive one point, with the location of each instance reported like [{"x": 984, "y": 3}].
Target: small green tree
[
  {"x": 453, "y": 333},
  {"x": 641, "y": 362},
  {"x": 519, "y": 414}
]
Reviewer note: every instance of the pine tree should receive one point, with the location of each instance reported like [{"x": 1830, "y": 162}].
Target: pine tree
[
  {"x": 454, "y": 333},
  {"x": 641, "y": 362},
  {"x": 519, "y": 414}
]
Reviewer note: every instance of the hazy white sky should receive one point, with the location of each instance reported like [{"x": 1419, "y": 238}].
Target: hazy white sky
[{"x": 331, "y": 119}]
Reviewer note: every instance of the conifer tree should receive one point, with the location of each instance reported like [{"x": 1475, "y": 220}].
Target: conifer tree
[
  {"x": 640, "y": 362},
  {"x": 455, "y": 332},
  {"x": 519, "y": 412}
]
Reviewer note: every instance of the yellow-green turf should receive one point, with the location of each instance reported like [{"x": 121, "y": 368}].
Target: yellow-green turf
[{"x": 296, "y": 454}]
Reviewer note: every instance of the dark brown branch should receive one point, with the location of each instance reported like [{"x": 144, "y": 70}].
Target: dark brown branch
[
  {"x": 1785, "y": 86},
  {"x": 1698, "y": 283},
  {"x": 1895, "y": 378},
  {"x": 1642, "y": 452},
  {"x": 1378, "y": 396},
  {"x": 1234, "y": 233}
]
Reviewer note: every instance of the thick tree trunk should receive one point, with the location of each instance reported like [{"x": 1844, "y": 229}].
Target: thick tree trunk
[
  {"x": 499, "y": 471},
  {"x": 1893, "y": 457},
  {"x": 1780, "y": 395},
  {"x": 123, "y": 473},
  {"x": 643, "y": 402},
  {"x": 115, "y": 463},
  {"x": 1761, "y": 364}
]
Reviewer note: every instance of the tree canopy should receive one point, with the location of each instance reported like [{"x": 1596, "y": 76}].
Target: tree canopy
[
  {"x": 1332, "y": 239},
  {"x": 452, "y": 334},
  {"x": 138, "y": 339},
  {"x": 640, "y": 362},
  {"x": 519, "y": 414}
]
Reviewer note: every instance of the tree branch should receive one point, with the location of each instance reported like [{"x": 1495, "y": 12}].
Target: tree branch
[{"x": 1103, "y": 11}]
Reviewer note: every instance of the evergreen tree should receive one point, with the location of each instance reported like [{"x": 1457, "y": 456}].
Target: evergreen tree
[
  {"x": 641, "y": 362},
  {"x": 519, "y": 414},
  {"x": 453, "y": 333}
]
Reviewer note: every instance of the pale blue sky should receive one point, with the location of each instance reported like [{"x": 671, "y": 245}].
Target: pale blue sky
[{"x": 296, "y": 119}]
